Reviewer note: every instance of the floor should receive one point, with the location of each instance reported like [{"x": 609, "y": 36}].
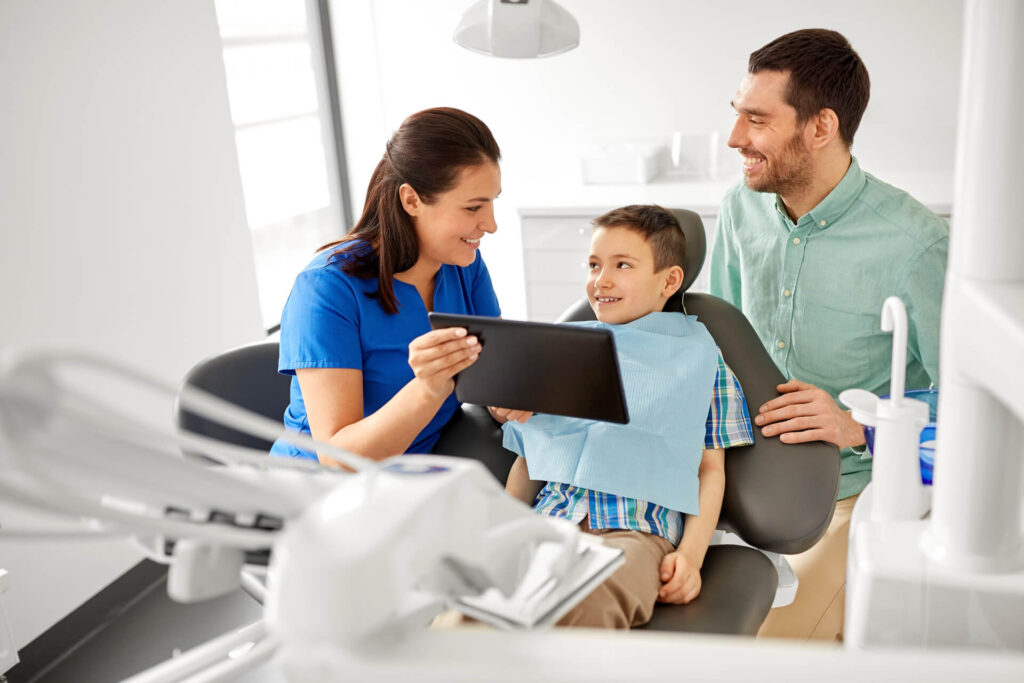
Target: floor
[{"x": 153, "y": 630}]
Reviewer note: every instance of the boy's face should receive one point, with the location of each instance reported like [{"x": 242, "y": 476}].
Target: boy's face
[{"x": 623, "y": 285}]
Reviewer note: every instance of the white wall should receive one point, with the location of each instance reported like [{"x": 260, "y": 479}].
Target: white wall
[
  {"x": 644, "y": 68},
  {"x": 122, "y": 227}
]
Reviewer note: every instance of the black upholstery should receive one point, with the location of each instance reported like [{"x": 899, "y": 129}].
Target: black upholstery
[
  {"x": 779, "y": 497},
  {"x": 737, "y": 589},
  {"x": 473, "y": 433},
  {"x": 247, "y": 376},
  {"x": 696, "y": 245}
]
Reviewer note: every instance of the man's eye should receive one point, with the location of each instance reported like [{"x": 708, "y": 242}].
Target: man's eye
[
  {"x": 756, "y": 122},
  {"x": 473, "y": 209}
]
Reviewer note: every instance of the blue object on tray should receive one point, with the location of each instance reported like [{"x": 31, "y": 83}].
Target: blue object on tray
[{"x": 927, "y": 448}]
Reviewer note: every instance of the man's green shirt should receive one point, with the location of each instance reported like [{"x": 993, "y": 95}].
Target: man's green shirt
[{"x": 813, "y": 290}]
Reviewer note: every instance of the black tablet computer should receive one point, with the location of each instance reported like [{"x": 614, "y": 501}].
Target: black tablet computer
[{"x": 547, "y": 368}]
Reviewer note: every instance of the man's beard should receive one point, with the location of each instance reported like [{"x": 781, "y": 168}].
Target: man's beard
[{"x": 791, "y": 170}]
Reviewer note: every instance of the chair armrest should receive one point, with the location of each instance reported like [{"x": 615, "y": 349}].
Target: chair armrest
[
  {"x": 779, "y": 497},
  {"x": 736, "y": 595}
]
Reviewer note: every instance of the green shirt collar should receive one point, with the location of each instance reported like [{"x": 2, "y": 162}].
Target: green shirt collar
[{"x": 835, "y": 203}]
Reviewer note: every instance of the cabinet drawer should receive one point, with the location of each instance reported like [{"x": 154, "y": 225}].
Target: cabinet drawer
[
  {"x": 556, "y": 266},
  {"x": 563, "y": 232}
]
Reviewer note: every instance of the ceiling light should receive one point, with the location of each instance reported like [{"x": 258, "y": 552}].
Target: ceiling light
[{"x": 517, "y": 28}]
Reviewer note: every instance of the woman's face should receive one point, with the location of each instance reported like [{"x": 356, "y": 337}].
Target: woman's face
[{"x": 449, "y": 229}]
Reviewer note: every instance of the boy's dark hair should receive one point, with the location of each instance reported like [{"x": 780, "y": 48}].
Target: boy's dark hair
[
  {"x": 659, "y": 227},
  {"x": 824, "y": 72}
]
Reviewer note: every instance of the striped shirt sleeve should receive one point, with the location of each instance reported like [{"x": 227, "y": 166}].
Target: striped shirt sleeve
[{"x": 728, "y": 422}]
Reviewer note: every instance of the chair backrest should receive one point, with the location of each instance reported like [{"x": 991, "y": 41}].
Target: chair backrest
[
  {"x": 779, "y": 497},
  {"x": 247, "y": 376},
  {"x": 696, "y": 245}
]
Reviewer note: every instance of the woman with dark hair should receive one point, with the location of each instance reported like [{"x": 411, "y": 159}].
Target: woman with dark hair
[{"x": 369, "y": 374}]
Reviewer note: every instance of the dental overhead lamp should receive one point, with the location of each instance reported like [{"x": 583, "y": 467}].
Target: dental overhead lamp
[{"x": 517, "y": 29}]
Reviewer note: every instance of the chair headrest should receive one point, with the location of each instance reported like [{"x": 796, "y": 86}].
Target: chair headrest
[{"x": 696, "y": 245}]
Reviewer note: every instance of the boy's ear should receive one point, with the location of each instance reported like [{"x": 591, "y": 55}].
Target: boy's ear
[
  {"x": 410, "y": 199},
  {"x": 673, "y": 281}
]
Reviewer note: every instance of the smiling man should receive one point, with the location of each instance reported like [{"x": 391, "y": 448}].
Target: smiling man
[{"x": 808, "y": 247}]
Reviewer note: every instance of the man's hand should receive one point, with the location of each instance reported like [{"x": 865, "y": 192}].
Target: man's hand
[
  {"x": 680, "y": 579},
  {"x": 806, "y": 413},
  {"x": 504, "y": 415}
]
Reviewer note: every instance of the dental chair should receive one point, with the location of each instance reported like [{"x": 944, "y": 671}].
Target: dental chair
[{"x": 778, "y": 497}]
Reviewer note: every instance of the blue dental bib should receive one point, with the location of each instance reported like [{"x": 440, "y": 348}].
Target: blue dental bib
[{"x": 668, "y": 363}]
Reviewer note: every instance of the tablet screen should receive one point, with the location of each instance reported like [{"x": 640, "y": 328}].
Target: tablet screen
[{"x": 542, "y": 367}]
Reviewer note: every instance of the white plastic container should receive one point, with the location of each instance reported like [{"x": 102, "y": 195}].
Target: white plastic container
[{"x": 622, "y": 163}]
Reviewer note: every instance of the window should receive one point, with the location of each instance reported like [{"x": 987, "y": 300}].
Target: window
[{"x": 283, "y": 97}]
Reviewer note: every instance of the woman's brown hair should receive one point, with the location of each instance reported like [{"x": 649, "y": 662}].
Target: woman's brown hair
[{"x": 428, "y": 152}]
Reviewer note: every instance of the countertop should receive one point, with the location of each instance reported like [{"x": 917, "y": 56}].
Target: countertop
[{"x": 933, "y": 189}]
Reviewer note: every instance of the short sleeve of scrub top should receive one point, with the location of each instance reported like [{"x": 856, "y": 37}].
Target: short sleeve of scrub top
[{"x": 331, "y": 321}]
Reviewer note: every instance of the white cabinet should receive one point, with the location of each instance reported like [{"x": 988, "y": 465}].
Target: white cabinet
[{"x": 556, "y": 243}]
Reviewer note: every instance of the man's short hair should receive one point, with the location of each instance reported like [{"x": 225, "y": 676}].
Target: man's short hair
[
  {"x": 824, "y": 72},
  {"x": 658, "y": 226}
]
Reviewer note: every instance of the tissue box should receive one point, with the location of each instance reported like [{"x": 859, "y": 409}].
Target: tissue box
[{"x": 632, "y": 163}]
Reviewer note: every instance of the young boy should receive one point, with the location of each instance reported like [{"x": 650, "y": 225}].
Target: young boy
[{"x": 634, "y": 483}]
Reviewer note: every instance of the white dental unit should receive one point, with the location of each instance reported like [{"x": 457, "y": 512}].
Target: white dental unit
[
  {"x": 940, "y": 598},
  {"x": 956, "y": 579}
]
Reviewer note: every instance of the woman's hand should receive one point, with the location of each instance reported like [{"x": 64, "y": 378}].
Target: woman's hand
[
  {"x": 437, "y": 356},
  {"x": 504, "y": 415}
]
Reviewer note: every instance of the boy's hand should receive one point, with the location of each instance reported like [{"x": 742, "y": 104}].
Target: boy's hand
[
  {"x": 680, "y": 578},
  {"x": 504, "y": 415}
]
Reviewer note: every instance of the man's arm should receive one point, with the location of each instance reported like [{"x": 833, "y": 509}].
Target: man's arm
[
  {"x": 680, "y": 570},
  {"x": 921, "y": 291}
]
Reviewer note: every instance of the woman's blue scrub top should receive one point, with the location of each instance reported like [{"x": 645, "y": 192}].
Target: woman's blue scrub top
[{"x": 330, "y": 321}]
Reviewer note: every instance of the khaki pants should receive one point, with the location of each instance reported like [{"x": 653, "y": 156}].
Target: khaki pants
[
  {"x": 627, "y": 597},
  {"x": 817, "y": 612}
]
